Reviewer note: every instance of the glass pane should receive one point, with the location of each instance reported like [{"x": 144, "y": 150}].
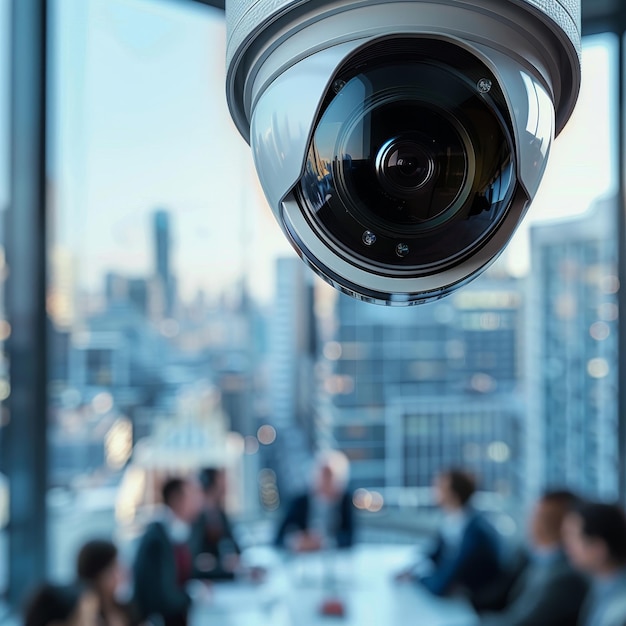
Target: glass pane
[
  {"x": 162, "y": 273},
  {"x": 572, "y": 362},
  {"x": 4, "y": 326},
  {"x": 186, "y": 334}
]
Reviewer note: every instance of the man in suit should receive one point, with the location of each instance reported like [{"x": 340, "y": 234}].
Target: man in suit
[
  {"x": 216, "y": 551},
  {"x": 324, "y": 516},
  {"x": 595, "y": 541},
  {"x": 549, "y": 591},
  {"x": 164, "y": 564},
  {"x": 466, "y": 553}
]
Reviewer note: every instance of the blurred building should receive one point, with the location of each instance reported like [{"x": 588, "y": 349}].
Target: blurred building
[
  {"x": 420, "y": 388},
  {"x": 292, "y": 356},
  {"x": 573, "y": 361},
  {"x": 162, "y": 260},
  {"x": 61, "y": 298},
  {"x": 144, "y": 295}
]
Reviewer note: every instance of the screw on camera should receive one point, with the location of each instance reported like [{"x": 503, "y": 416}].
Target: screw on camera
[
  {"x": 402, "y": 249},
  {"x": 484, "y": 85},
  {"x": 338, "y": 85},
  {"x": 369, "y": 238}
]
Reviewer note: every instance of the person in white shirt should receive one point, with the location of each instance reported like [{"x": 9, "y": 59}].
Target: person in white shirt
[{"x": 323, "y": 517}]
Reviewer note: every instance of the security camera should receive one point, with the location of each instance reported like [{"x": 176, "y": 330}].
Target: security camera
[{"x": 400, "y": 142}]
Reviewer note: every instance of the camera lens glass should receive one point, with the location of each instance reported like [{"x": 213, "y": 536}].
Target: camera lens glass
[
  {"x": 411, "y": 154},
  {"x": 404, "y": 164}
]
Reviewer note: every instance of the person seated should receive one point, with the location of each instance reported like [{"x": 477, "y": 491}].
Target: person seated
[
  {"x": 324, "y": 516},
  {"x": 466, "y": 552},
  {"x": 99, "y": 569},
  {"x": 164, "y": 563},
  {"x": 595, "y": 541},
  {"x": 215, "y": 549},
  {"x": 549, "y": 591},
  {"x": 61, "y": 605}
]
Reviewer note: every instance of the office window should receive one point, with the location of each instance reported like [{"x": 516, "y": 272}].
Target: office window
[
  {"x": 184, "y": 327},
  {"x": 176, "y": 331},
  {"x": 5, "y": 328}
]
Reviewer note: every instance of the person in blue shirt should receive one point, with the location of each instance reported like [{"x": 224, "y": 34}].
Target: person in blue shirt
[
  {"x": 595, "y": 541},
  {"x": 466, "y": 552}
]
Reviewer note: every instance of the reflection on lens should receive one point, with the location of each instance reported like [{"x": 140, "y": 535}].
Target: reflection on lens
[
  {"x": 403, "y": 166},
  {"x": 411, "y": 156},
  {"x": 400, "y": 180}
]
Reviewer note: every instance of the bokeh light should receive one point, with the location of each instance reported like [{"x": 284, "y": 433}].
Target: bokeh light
[
  {"x": 498, "y": 451},
  {"x": 102, "y": 402},
  {"x": 266, "y": 434},
  {"x": 599, "y": 331}
]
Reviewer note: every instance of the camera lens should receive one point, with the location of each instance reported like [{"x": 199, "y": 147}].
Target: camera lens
[
  {"x": 410, "y": 168},
  {"x": 403, "y": 165}
]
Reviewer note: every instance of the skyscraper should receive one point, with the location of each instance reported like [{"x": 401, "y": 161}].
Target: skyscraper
[
  {"x": 162, "y": 250},
  {"x": 573, "y": 364},
  {"x": 292, "y": 360},
  {"x": 421, "y": 388}
]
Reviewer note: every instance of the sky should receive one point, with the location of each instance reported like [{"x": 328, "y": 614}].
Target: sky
[
  {"x": 138, "y": 121},
  {"x": 583, "y": 160}
]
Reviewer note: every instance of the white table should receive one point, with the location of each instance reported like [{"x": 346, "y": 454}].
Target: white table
[{"x": 361, "y": 578}]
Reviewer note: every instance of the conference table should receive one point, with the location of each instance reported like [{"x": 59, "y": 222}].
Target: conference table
[{"x": 297, "y": 586}]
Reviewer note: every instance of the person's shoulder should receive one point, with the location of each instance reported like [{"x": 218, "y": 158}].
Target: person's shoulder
[
  {"x": 202, "y": 519},
  {"x": 154, "y": 532},
  {"x": 300, "y": 499},
  {"x": 563, "y": 574},
  {"x": 616, "y": 610},
  {"x": 347, "y": 496},
  {"x": 477, "y": 520},
  {"x": 478, "y": 524}
]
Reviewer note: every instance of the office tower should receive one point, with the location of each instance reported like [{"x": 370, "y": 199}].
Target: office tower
[
  {"x": 292, "y": 356},
  {"x": 573, "y": 365},
  {"x": 421, "y": 388},
  {"x": 163, "y": 269}
]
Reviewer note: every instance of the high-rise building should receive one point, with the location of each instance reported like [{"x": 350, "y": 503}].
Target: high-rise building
[
  {"x": 573, "y": 361},
  {"x": 162, "y": 243},
  {"x": 418, "y": 389},
  {"x": 292, "y": 359},
  {"x": 163, "y": 268}
]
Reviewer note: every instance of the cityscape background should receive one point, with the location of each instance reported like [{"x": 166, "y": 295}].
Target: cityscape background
[{"x": 184, "y": 332}]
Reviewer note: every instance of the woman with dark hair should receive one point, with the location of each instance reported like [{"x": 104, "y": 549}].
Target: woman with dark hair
[
  {"x": 99, "y": 569},
  {"x": 61, "y": 605}
]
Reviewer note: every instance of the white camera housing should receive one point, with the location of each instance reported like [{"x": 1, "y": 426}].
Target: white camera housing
[{"x": 400, "y": 142}]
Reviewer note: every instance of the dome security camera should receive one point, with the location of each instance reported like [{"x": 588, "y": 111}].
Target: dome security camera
[{"x": 400, "y": 142}]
